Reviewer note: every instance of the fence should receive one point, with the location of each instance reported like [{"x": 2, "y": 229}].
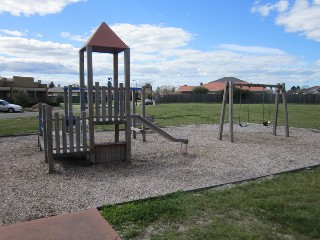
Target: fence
[{"x": 255, "y": 97}]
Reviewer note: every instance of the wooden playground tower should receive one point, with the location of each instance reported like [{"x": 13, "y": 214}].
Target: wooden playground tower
[
  {"x": 107, "y": 105},
  {"x": 228, "y": 91}
]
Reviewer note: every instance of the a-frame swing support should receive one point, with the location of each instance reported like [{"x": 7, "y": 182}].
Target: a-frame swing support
[{"x": 228, "y": 92}]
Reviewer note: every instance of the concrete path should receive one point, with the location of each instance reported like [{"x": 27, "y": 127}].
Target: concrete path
[{"x": 83, "y": 225}]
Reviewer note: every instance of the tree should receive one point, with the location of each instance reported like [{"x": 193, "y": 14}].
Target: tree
[
  {"x": 293, "y": 89},
  {"x": 165, "y": 90},
  {"x": 22, "y": 98},
  {"x": 200, "y": 89},
  {"x": 51, "y": 85}
]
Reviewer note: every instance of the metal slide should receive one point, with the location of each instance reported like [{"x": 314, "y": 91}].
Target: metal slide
[{"x": 158, "y": 130}]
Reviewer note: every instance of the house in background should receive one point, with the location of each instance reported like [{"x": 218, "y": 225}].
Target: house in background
[
  {"x": 10, "y": 86},
  {"x": 218, "y": 85}
]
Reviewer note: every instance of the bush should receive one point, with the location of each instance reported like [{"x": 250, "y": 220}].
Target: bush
[
  {"x": 200, "y": 89},
  {"x": 23, "y": 99},
  {"x": 59, "y": 98}
]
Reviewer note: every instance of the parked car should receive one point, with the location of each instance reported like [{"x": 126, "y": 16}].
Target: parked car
[
  {"x": 148, "y": 102},
  {"x": 9, "y": 107}
]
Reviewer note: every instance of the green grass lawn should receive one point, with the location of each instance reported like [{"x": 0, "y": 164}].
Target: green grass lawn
[
  {"x": 284, "y": 207},
  {"x": 300, "y": 115},
  {"x": 306, "y": 115}
]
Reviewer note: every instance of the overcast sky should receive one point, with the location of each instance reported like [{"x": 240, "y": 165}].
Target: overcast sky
[{"x": 173, "y": 42}]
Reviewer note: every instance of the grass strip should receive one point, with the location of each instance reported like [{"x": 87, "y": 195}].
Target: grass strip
[{"x": 284, "y": 207}]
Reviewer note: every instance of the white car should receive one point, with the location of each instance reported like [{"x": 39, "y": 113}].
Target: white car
[{"x": 8, "y": 107}]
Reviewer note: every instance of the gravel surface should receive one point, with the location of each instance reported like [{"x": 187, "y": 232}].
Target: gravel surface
[{"x": 158, "y": 167}]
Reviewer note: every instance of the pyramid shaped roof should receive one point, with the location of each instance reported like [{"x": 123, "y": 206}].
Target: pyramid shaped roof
[{"x": 104, "y": 40}]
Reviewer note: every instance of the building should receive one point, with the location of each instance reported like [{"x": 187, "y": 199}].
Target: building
[
  {"x": 218, "y": 85},
  {"x": 10, "y": 86}
]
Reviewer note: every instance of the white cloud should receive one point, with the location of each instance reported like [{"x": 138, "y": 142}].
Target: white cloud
[
  {"x": 77, "y": 38},
  {"x": 251, "y": 49},
  {"x": 158, "y": 56},
  {"x": 32, "y": 7},
  {"x": 302, "y": 17},
  {"x": 265, "y": 10},
  {"x": 12, "y": 32}
]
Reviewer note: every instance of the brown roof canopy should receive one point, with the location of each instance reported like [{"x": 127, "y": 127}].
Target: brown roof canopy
[{"x": 104, "y": 40}]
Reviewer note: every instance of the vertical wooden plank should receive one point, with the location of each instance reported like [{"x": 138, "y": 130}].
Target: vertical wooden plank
[
  {"x": 70, "y": 131},
  {"x": 84, "y": 131},
  {"x": 116, "y": 95},
  {"x": 116, "y": 113},
  {"x": 143, "y": 91},
  {"x": 117, "y": 154},
  {"x": 45, "y": 132},
  {"x": 98, "y": 155},
  {"x": 64, "y": 134},
  {"x": 127, "y": 103},
  {"x": 78, "y": 134},
  {"x": 97, "y": 101},
  {"x": 276, "y": 111},
  {"x": 231, "y": 110},
  {"x": 103, "y": 154},
  {"x": 285, "y": 106},
  {"x": 90, "y": 103},
  {"x": 107, "y": 154},
  {"x": 40, "y": 119},
  {"x": 111, "y": 153},
  {"x": 50, "y": 139},
  {"x": 134, "y": 134},
  {"x": 103, "y": 103},
  {"x": 121, "y": 102},
  {"x": 81, "y": 79},
  {"x": 109, "y": 104},
  {"x": 223, "y": 109},
  {"x": 57, "y": 132},
  {"x": 65, "y": 100}
]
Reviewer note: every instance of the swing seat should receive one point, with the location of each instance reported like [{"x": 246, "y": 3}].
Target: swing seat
[
  {"x": 243, "y": 124},
  {"x": 267, "y": 123}
]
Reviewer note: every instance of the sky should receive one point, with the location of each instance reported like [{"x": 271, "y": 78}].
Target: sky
[{"x": 172, "y": 42}]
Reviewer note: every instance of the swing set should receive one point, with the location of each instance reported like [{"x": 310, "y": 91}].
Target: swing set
[
  {"x": 264, "y": 121},
  {"x": 229, "y": 89}
]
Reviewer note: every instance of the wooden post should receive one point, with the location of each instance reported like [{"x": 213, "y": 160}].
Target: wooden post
[
  {"x": 127, "y": 102},
  {"x": 121, "y": 102},
  {"x": 78, "y": 135},
  {"x": 134, "y": 134},
  {"x": 276, "y": 111},
  {"x": 97, "y": 101},
  {"x": 70, "y": 121},
  {"x": 45, "y": 133},
  {"x": 50, "y": 139},
  {"x": 109, "y": 104},
  {"x": 90, "y": 105},
  {"x": 143, "y": 91},
  {"x": 285, "y": 106},
  {"x": 81, "y": 78},
  {"x": 116, "y": 97},
  {"x": 65, "y": 100},
  {"x": 57, "y": 132},
  {"x": 64, "y": 134},
  {"x": 223, "y": 109},
  {"x": 40, "y": 119},
  {"x": 84, "y": 131},
  {"x": 231, "y": 111},
  {"x": 103, "y": 103}
]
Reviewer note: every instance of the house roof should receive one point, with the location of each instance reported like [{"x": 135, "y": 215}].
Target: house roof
[
  {"x": 104, "y": 40},
  {"x": 185, "y": 88}
]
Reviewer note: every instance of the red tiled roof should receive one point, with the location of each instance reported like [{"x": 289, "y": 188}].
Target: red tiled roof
[
  {"x": 217, "y": 86},
  {"x": 185, "y": 88},
  {"x": 104, "y": 40}
]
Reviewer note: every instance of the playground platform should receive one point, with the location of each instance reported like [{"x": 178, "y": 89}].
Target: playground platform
[{"x": 83, "y": 225}]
